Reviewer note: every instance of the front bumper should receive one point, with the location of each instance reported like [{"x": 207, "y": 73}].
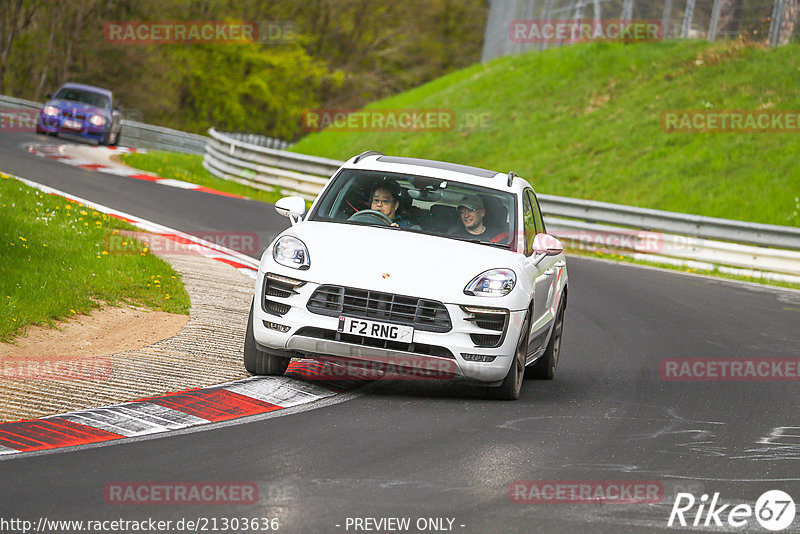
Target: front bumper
[
  {"x": 55, "y": 124},
  {"x": 290, "y": 328}
]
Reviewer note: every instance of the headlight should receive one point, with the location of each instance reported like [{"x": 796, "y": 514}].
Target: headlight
[
  {"x": 50, "y": 110},
  {"x": 493, "y": 283},
  {"x": 291, "y": 252},
  {"x": 97, "y": 120}
]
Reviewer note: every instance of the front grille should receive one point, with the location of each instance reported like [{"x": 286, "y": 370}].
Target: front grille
[
  {"x": 80, "y": 116},
  {"x": 280, "y": 287},
  {"x": 490, "y": 319},
  {"x": 422, "y": 314},
  {"x": 414, "y": 348}
]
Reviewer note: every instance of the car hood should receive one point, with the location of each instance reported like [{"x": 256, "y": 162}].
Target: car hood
[
  {"x": 395, "y": 261},
  {"x": 80, "y": 107}
]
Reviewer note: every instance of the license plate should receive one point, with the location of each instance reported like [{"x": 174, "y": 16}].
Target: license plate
[
  {"x": 73, "y": 125},
  {"x": 376, "y": 329}
]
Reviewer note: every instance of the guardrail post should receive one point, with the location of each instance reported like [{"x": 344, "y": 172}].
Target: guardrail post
[
  {"x": 688, "y": 14},
  {"x": 776, "y": 23},
  {"x": 712, "y": 27},
  {"x": 627, "y": 10},
  {"x": 665, "y": 18}
]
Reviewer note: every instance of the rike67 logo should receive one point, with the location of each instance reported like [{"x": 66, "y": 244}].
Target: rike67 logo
[{"x": 774, "y": 510}]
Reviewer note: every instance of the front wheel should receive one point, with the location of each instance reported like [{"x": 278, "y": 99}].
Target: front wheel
[
  {"x": 258, "y": 362},
  {"x": 512, "y": 383},
  {"x": 110, "y": 139},
  {"x": 545, "y": 367}
]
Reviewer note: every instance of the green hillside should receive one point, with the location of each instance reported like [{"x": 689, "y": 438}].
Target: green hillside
[{"x": 584, "y": 121}]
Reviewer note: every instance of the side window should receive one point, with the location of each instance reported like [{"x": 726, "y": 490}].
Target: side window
[
  {"x": 537, "y": 213},
  {"x": 530, "y": 223}
]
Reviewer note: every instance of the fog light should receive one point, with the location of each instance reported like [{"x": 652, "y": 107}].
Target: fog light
[
  {"x": 486, "y": 358},
  {"x": 275, "y": 326}
]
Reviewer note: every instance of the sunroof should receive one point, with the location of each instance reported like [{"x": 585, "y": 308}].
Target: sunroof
[{"x": 455, "y": 167}]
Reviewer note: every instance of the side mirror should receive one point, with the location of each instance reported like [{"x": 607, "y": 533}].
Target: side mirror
[
  {"x": 48, "y": 96},
  {"x": 292, "y": 207},
  {"x": 547, "y": 245}
]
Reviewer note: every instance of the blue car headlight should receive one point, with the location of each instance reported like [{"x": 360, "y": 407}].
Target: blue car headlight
[
  {"x": 51, "y": 111},
  {"x": 97, "y": 120},
  {"x": 291, "y": 252},
  {"x": 492, "y": 283}
]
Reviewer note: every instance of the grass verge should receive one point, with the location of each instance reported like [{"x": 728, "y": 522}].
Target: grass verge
[
  {"x": 584, "y": 121},
  {"x": 189, "y": 168},
  {"x": 55, "y": 263}
]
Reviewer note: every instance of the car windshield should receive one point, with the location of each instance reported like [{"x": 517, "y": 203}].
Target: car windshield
[
  {"x": 420, "y": 204},
  {"x": 85, "y": 97}
]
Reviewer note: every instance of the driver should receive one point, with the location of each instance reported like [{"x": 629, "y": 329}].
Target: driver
[{"x": 385, "y": 198}]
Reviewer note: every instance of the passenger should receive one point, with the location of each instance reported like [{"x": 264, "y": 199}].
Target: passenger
[
  {"x": 385, "y": 198},
  {"x": 472, "y": 213}
]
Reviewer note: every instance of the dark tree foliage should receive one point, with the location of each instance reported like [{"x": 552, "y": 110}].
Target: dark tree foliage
[{"x": 344, "y": 53}]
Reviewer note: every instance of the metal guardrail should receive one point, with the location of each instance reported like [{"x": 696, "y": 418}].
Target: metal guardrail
[
  {"x": 230, "y": 158},
  {"x": 137, "y": 134},
  {"x": 587, "y": 237},
  {"x": 765, "y": 235},
  {"x": 265, "y": 168},
  {"x": 260, "y": 140},
  {"x": 581, "y": 224},
  {"x": 246, "y": 159}
]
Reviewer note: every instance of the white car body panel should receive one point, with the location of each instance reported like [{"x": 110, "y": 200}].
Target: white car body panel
[{"x": 413, "y": 264}]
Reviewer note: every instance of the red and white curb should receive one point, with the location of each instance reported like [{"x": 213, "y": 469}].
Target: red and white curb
[
  {"x": 187, "y": 243},
  {"x": 174, "y": 411},
  {"x": 305, "y": 381},
  {"x": 98, "y": 158}
]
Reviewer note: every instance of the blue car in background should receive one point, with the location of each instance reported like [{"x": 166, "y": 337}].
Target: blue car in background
[{"x": 82, "y": 110}]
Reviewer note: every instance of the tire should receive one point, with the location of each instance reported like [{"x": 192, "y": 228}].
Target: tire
[
  {"x": 512, "y": 383},
  {"x": 258, "y": 362},
  {"x": 545, "y": 367},
  {"x": 111, "y": 139}
]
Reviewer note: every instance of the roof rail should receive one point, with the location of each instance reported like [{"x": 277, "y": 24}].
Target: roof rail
[
  {"x": 511, "y": 176},
  {"x": 367, "y": 153}
]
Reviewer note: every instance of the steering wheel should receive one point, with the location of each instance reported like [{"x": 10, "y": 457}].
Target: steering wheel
[{"x": 371, "y": 216}]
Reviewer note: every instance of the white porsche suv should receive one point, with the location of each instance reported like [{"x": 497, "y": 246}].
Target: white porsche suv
[{"x": 441, "y": 269}]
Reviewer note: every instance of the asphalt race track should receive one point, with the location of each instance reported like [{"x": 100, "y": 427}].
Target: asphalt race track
[{"x": 422, "y": 450}]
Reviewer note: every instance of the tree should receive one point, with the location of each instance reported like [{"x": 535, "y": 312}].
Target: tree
[{"x": 15, "y": 16}]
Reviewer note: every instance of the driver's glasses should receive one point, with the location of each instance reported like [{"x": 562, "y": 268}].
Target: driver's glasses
[{"x": 381, "y": 201}]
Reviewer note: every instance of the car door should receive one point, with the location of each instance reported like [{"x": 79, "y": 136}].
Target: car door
[
  {"x": 546, "y": 277},
  {"x": 539, "y": 270}
]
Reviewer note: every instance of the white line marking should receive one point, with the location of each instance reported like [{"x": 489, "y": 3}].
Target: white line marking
[
  {"x": 280, "y": 390},
  {"x": 135, "y": 419}
]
